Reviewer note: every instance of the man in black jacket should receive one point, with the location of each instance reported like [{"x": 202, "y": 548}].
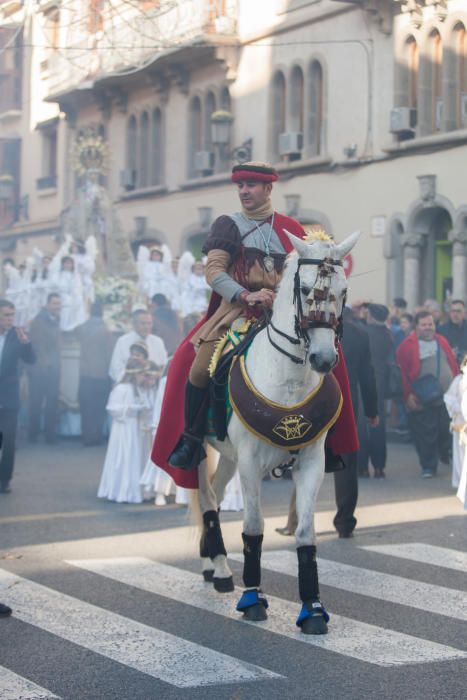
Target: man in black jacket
[
  {"x": 14, "y": 346},
  {"x": 455, "y": 330},
  {"x": 44, "y": 377}
]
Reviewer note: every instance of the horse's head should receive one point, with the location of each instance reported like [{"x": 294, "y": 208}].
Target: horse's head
[{"x": 319, "y": 283}]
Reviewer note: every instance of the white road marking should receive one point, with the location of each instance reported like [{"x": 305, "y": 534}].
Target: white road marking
[
  {"x": 14, "y": 687},
  {"x": 424, "y": 553},
  {"x": 352, "y": 638},
  {"x": 161, "y": 655},
  {"x": 388, "y": 587}
]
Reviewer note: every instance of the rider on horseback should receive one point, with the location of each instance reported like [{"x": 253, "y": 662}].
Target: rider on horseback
[{"x": 246, "y": 254}]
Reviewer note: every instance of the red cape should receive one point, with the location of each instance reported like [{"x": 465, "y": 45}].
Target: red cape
[
  {"x": 408, "y": 358},
  {"x": 342, "y": 440}
]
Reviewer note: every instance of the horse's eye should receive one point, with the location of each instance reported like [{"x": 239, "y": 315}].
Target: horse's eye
[{"x": 305, "y": 291}]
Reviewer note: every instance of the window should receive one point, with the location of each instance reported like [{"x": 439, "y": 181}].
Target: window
[
  {"x": 143, "y": 171},
  {"x": 209, "y": 109},
  {"x": 412, "y": 58},
  {"x": 194, "y": 135},
  {"x": 48, "y": 177},
  {"x": 296, "y": 105},
  {"x": 315, "y": 109},
  {"x": 278, "y": 112},
  {"x": 461, "y": 77},
  {"x": 157, "y": 164},
  {"x": 132, "y": 154},
  {"x": 436, "y": 59},
  {"x": 11, "y": 59},
  {"x": 10, "y": 165}
]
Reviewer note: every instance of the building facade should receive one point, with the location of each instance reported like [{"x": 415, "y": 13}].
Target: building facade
[{"x": 362, "y": 106}]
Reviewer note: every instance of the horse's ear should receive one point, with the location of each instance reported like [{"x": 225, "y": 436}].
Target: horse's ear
[
  {"x": 344, "y": 248},
  {"x": 300, "y": 246}
]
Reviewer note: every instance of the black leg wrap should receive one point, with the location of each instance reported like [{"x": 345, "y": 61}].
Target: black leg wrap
[
  {"x": 203, "y": 543},
  {"x": 214, "y": 544},
  {"x": 252, "y": 561},
  {"x": 308, "y": 585}
]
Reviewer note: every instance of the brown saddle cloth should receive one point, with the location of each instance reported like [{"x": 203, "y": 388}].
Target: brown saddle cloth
[{"x": 287, "y": 427}]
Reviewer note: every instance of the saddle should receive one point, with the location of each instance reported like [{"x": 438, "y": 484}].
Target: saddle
[{"x": 286, "y": 427}]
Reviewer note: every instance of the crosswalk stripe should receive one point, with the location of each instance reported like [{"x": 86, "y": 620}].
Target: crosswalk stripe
[
  {"x": 14, "y": 687},
  {"x": 159, "y": 654},
  {"x": 349, "y": 637},
  {"x": 424, "y": 553},
  {"x": 388, "y": 587}
]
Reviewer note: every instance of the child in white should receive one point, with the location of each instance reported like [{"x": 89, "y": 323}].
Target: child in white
[
  {"x": 453, "y": 401},
  {"x": 122, "y": 466},
  {"x": 462, "y": 488},
  {"x": 154, "y": 479}
]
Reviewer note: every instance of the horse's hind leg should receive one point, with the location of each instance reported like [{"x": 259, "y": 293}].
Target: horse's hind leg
[
  {"x": 252, "y": 604},
  {"x": 212, "y": 549},
  {"x": 313, "y": 617}
]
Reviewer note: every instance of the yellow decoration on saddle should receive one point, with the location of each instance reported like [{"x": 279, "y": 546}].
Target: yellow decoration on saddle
[
  {"x": 229, "y": 340},
  {"x": 292, "y": 427},
  {"x": 316, "y": 233}
]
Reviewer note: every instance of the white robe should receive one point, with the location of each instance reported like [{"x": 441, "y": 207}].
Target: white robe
[
  {"x": 154, "y": 478},
  {"x": 121, "y": 353},
  {"x": 452, "y": 400},
  {"x": 122, "y": 466},
  {"x": 194, "y": 296},
  {"x": 70, "y": 288},
  {"x": 462, "y": 489}
]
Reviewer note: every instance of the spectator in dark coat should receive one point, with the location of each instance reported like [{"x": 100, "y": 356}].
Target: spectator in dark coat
[
  {"x": 165, "y": 323},
  {"x": 96, "y": 346},
  {"x": 44, "y": 376},
  {"x": 356, "y": 349},
  {"x": 14, "y": 346},
  {"x": 455, "y": 330},
  {"x": 373, "y": 440}
]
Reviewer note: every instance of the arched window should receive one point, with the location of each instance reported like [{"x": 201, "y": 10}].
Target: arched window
[
  {"x": 225, "y": 99},
  {"x": 157, "y": 149},
  {"x": 131, "y": 153},
  {"x": 461, "y": 77},
  {"x": 278, "y": 112},
  {"x": 209, "y": 109},
  {"x": 412, "y": 58},
  {"x": 143, "y": 180},
  {"x": 315, "y": 110},
  {"x": 296, "y": 96},
  {"x": 194, "y": 135},
  {"x": 436, "y": 59}
]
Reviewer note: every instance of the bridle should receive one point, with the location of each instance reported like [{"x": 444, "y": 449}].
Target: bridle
[{"x": 317, "y": 317}]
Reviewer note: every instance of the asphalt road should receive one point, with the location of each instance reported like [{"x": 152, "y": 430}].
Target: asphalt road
[{"x": 108, "y": 602}]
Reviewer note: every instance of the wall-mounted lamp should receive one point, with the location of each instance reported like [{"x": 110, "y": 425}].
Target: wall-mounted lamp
[{"x": 221, "y": 135}]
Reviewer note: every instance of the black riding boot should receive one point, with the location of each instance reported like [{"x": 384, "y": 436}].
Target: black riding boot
[
  {"x": 332, "y": 462},
  {"x": 189, "y": 451}
]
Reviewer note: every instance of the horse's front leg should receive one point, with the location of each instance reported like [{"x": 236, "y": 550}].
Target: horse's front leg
[
  {"x": 253, "y": 603},
  {"x": 308, "y": 477},
  {"x": 212, "y": 550}
]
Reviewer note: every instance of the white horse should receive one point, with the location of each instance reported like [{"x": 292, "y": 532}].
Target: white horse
[{"x": 302, "y": 327}]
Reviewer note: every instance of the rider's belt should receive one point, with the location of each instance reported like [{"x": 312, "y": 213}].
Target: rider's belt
[{"x": 288, "y": 427}]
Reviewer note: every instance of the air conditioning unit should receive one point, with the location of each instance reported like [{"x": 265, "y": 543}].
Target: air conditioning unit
[
  {"x": 290, "y": 143},
  {"x": 204, "y": 162},
  {"x": 128, "y": 179},
  {"x": 464, "y": 109},
  {"x": 439, "y": 112},
  {"x": 402, "y": 120}
]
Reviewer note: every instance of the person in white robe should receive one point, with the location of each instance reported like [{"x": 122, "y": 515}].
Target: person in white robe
[
  {"x": 122, "y": 466},
  {"x": 68, "y": 284},
  {"x": 142, "y": 326},
  {"x": 155, "y": 274},
  {"x": 195, "y": 293},
  {"x": 462, "y": 488},
  {"x": 84, "y": 256},
  {"x": 155, "y": 481},
  {"x": 453, "y": 402},
  {"x": 18, "y": 291}
]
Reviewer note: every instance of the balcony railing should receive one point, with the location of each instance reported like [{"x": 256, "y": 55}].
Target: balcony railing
[{"x": 128, "y": 38}]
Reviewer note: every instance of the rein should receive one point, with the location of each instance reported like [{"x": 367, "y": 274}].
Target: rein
[{"x": 315, "y": 318}]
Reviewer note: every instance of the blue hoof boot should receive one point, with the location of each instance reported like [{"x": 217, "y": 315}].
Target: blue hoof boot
[
  {"x": 253, "y": 605},
  {"x": 313, "y": 618}
]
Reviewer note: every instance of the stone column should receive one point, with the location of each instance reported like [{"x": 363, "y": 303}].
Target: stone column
[
  {"x": 459, "y": 265},
  {"x": 412, "y": 245}
]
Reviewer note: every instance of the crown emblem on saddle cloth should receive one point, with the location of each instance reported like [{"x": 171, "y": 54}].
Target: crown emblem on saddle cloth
[
  {"x": 287, "y": 427},
  {"x": 292, "y": 427}
]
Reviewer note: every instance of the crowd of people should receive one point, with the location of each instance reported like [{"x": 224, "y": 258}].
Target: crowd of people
[{"x": 121, "y": 377}]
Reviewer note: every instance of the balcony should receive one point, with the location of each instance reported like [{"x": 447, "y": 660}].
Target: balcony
[{"x": 112, "y": 43}]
